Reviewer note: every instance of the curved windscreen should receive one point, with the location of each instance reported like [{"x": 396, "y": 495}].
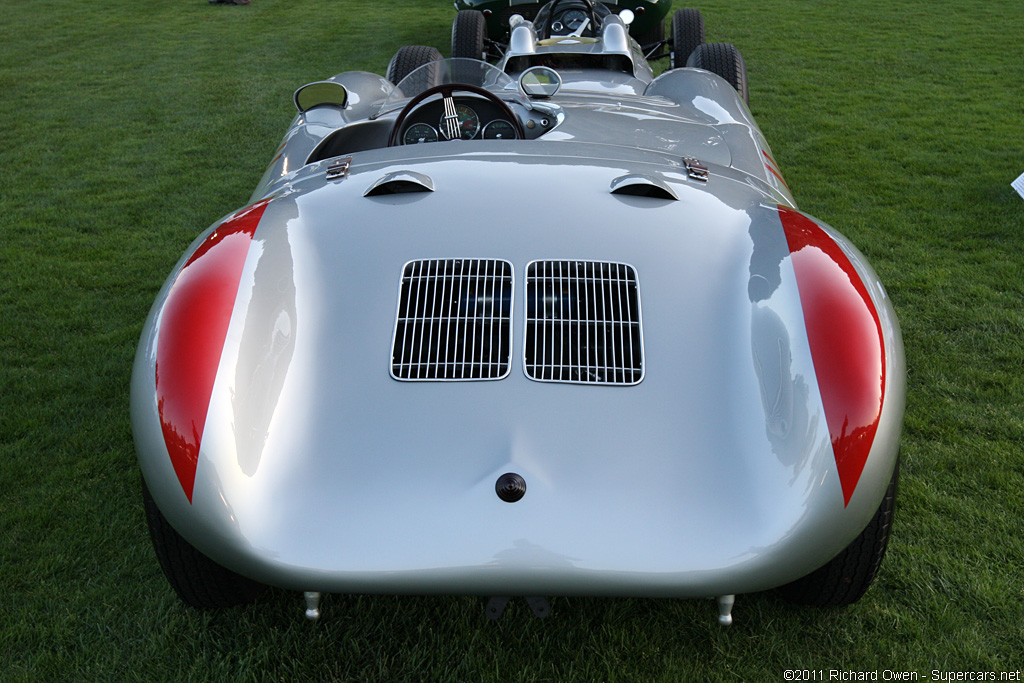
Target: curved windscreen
[{"x": 451, "y": 71}]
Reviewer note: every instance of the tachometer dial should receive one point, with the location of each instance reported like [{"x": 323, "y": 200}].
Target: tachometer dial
[
  {"x": 573, "y": 19},
  {"x": 499, "y": 129},
  {"x": 419, "y": 132},
  {"x": 467, "y": 120}
]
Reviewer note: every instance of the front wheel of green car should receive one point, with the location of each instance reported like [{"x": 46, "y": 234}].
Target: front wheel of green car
[
  {"x": 687, "y": 34},
  {"x": 656, "y": 36},
  {"x": 469, "y": 33}
]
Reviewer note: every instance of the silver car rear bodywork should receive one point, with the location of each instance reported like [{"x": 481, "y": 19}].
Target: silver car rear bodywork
[{"x": 615, "y": 311}]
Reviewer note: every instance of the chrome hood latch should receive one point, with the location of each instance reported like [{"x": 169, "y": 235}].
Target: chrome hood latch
[
  {"x": 339, "y": 169},
  {"x": 695, "y": 169}
]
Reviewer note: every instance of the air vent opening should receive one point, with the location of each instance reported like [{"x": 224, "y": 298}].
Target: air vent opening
[
  {"x": 643, "y": 190},
  {"x": 583, "y": 323},
  {"x": 400, "y": 182},
  {"x": 641, "y": 185},
  {"x": 453, "y": 321}
]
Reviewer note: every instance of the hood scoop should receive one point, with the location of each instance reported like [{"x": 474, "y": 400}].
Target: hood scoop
[
  {"x": 400, "y": 182},
  {"x": 643, "y": 185}
]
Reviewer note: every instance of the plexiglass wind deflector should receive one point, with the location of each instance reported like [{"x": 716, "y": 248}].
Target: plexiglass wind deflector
[{"x": 452, "y": 72}]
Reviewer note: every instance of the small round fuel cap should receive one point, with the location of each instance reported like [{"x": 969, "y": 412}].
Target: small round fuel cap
[{"x": 510, "y": 487}]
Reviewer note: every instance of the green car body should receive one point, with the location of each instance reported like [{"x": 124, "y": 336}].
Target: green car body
[{"x": 646, "y": 28}]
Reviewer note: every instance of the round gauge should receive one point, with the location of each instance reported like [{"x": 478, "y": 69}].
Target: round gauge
[
  {"x": 419, "y": 132},
  {"x": 574, "y": 18},
  {"x": 499, "y": 129},
  {"x": 468, "y": 123}
]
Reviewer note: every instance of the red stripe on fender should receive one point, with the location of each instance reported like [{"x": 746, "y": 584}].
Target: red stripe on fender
[
  {"x": 773, "y": 168},
  {"x": 193, "y": 326},
  {"x": 845, "y": 336}
]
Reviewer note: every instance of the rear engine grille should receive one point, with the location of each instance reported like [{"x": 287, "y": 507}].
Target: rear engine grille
[
  {"x": 583, "y": 323},
  {"x": 454, "y": 320}
]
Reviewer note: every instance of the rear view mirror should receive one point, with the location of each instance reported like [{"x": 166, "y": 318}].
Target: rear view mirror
[
  {"x": 322, "y": 92},
  {"x": 540, "y": 81}
]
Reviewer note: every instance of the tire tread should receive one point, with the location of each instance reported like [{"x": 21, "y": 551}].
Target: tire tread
[
  {"x": 847, "y": 576},
  {"x": 687, "y": 34},
  {"x": 725, "y": 60},
  {"x": 199, "y": 581},
  {"x": 469, "y": 33},
  {"x": 409, "y": 58}
]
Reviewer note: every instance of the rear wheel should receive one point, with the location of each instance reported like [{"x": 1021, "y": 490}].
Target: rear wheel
[
  {"x": 198, "y": 580},
  {"x": 846, "y": 577},
  {"x": 726, "y": 61},
  {"x": 408, "y": 59},
  {"x": 687, "y": 34},
  {"x": 469, "y": 33}
]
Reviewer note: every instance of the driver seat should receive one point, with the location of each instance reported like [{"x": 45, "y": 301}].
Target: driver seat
[{"x": 550, "y": 14}]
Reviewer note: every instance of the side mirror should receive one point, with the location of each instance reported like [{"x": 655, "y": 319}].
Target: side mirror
[
  {"x": 322, "y": 92},
  {"x": 540, "y": 81},
  {"x": 627, "y": 16}
]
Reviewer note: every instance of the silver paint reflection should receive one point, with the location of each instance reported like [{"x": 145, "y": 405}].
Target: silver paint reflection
[{"x": 267, "y": 345}]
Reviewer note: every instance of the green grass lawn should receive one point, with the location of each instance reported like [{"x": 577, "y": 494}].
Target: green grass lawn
[{"x": 126, "y": 128}]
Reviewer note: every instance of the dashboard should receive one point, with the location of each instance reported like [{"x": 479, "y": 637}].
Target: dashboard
[
  {"x": 478, "y": 119},
  {"x": 568, "y": 21}
]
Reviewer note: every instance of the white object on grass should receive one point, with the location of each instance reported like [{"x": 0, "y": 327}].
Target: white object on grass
[{"x": 1018, "y": 185}]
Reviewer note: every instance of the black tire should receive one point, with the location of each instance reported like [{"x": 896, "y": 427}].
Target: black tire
[
  {"x": 846, "y": 577},
  {"x": 198, "y": 580},
  {"x": 726, "y": 61},
  {"x": 410, "y": 58},
  {"x": 469, "y": 33},
  {"x": 687, "y": 34},
  {"x": 655, "y": 35}
]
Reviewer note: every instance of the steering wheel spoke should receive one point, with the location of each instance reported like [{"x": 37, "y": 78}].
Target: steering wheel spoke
[{"x": 451, "y": 130}]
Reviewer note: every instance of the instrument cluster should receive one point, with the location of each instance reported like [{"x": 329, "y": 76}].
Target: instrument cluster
[
  {"x": 470, "y": 119},
  {"x": 569, "y": 21}
]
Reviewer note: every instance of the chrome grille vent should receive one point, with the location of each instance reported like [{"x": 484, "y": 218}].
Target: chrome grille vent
[
  {"x": 454, "y": 320},
  {"x": 583, "y": 323}
]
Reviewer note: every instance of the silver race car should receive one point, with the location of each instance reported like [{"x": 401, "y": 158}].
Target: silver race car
[
  {"x": 549, "y": 326},
  {"x": 482, "y": 26}
]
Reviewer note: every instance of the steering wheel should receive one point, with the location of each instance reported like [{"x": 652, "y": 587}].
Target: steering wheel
[
  {"x": 451, "y": 119},
  {"x": 546, "y": 29}
]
